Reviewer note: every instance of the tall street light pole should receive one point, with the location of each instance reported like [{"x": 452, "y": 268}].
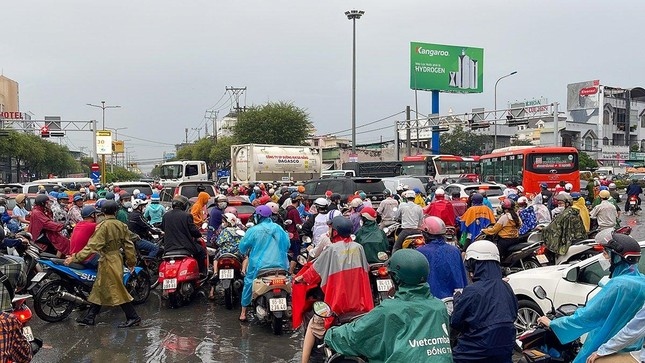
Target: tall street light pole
[
  {"x": 500, "y": 78},
  {"x": 102, "y": 107},
  {"x": 353, "y": 15}
]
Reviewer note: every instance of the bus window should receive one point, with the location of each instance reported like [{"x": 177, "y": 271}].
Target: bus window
[{"x": 552, "y": 163}]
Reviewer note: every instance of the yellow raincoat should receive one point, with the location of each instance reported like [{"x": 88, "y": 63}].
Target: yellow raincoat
[
  {"x": 197, "y": 211},
  {"x": 584, "y": 212},
  {"x": 109, "y": 236}
]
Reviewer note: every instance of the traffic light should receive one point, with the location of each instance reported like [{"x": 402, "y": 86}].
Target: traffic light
[
  {"x": 511, "y": 121},
  {"x": 44, "y": 131},
  {"x": 474, "y": 125}
]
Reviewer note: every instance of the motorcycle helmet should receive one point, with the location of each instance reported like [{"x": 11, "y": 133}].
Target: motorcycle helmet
[
  {"x": 523, "y": 201},
  {"x": 62, "y": 195},
  {"x": 262, "y": 212},
  {"x": 328, "y": 194},
  {"x": 575, "y": 195},
  {"x": 77, "y": 197},
  {"x": 335, "y": 197},
  {"x": 568, "y": 187},
  {"x": 434, "y": 226},
  {"x": 155, "y": 197},
  {"x": 99, "y": 203},
  {"x": 566, "y": 198},
  {"x": 368, "y": 213},
  {"x": 231, "y": 210},
  {"x": 520, "y": 189},
  {"x": 41, "y": 200},
  {"x": 230, "y": 218},
  {"x": 507, "y": 204},
  {"x": 362, "y": 195},
  {"x": 342, "y": 226},
  {"x": 409, "y": 194},
  {"x": 543, "y": 185},
  {"x": 53, "y": 194},
  {"x": 514, "y": 197},
  {"x": 622, "y": 247},
  {"x": 477, "y": 199},
  {"x": 87, "y": 211},
  {"x": 321, "y": 204},
  {"x": 136, "y": 192},
  {"x": 603, "y": 187},
  {"x": 179, "y": 202},
  {"x": 138, "y": 203},
  {"x": 387, "y": 193},
  {"x": 110, "y": 207},
  {"x": 355, "y": 203},
  {"x": 612, "y": 186},
  {"x": 481, "y": 250},
  {"x": 275, "y": 209},
  {"x": 142, "y": 196},
  {"x": 408, "y": 267},
  {"x": 604, "y": 194},
  {"x": 439, "y": 193},
  {"x": 109, "y": 196}
]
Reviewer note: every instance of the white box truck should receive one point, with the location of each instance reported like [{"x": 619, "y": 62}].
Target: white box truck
[{"x": 268, "y": 163}]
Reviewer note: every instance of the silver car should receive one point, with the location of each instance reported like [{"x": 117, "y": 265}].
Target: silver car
[{"x": 493, "y": 191}]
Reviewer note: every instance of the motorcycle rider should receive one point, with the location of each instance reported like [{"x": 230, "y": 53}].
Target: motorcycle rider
[
  {"x": 371, "y": 237},
  {"x": 154, "y": 211},
  {"x": 633, "y": 189},
  {"x": 411, "y": 218},
  {"x": 108, "y": 289},
  {"x": 215, "y": 217},
  {"x": 59, "y": 207},
  {"x": 139, "y": 225},
  {"x": 42, "y": 224},
  {"x": 342, "y": 272},
  {"x": 197, "y": 210},
  {"x": 355, "y": 208},
  {"x": 228, "y": 241},
  {"x": 566, "y": 228},
  {"x": 442, "y": 208},
  {"x": 627, "y": 336},
  {"x": 82, "y": 233},
  {"x": 615, "y": 304},
  {"x": 387, "y": 209},
  {"x": 485, "y": 312},
  {"x": 476, "y": 218},
  {"x": 614, "y": 193},
  {"x": 401, "y": 329},
  {"x": 458, "y": 205},
  {"x": 74, "y": 213},
  {"x": 181, "y": 233},
  {"x": 295, "y": 243},
  {"x": 507, "y": 227},
  {"x": 335, "y": 201},
  {"x": 527, "y": 215},
  {"x": 266, "y": 245},
  {"x": 447, "y": 273},
  {"x": 19, "y": 211},
  {"x": 605, "y": 213},
  {"x": 124, "y": 205},
  {"x": 542, "y": 212},
  {"x": 316, "y": 225},
  {"x": 14, "y": 347}
]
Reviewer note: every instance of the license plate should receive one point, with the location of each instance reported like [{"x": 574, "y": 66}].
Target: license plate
[
  {"x": 39, "y": 276},
  {"x": 278, "y": 304},
  {"x": 632, "y": 202},
  {"x": 169, "y": 284},
  {"x": 226, "y": 274},
  {"x": 26, "y": 331},
  {"x": 542, "y": 259},
  {"x": 383, "y": 285}
]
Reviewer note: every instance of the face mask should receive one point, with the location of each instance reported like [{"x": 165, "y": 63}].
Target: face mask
[
  {"x": 605, "y": 264},
  {"x": 221, "y": 205},
  {"x": 2, "y": 209}
]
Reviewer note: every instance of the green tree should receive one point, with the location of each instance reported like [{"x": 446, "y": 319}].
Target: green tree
[
  {"x": 586, "y": 162},
  {"x": 279, "y": 123},
  {"x": 121, "y": 174},
  {"x": 462, "y": 142},
  {"x": 521, "y": 142},
  {"x": 221, "y": 152}
]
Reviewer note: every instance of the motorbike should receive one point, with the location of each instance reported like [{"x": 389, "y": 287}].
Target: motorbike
[
  {"x": 391, "y": 232},
  {"x": 540, "y": 344},
  {"x": 380, "y": 280},
  {"x": 634, "y": 208},
  {"x": 67, "y": 287},
  {"x": 229, "y": 267},
  {"x": 179, "y": 276},
  {"x": 323, "y": 310},
  {"x": 271, "y": 296},
  {"x": 21, "y": 311},
  {"x": 413, "y": 241},
  {"x": 151, "y": 264},
  {"x": 520, "y": 256}
]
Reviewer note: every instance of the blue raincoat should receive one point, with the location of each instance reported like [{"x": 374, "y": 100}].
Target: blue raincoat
[
  {"x": 485, "y": 314},
  {"x": 447, "y": 271},
  {"x": 606, "y": 313},
  {"x": 267, "y": 245}
]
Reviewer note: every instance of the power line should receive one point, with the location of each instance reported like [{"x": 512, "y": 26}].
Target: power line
[
  {"x": 369, "y": 123},
  {"x": 146, "y": 140}
]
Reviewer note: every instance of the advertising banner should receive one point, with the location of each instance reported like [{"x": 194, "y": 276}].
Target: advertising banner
[
  {"x": 446, "y": 68},
  {"x": 582, "y": 95}
]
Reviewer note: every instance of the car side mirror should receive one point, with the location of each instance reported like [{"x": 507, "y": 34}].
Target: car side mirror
[{"x": 572, "y": 274}]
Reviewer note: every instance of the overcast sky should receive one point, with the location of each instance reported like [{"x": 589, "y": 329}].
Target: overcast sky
[{"x": 167, "y": 62}]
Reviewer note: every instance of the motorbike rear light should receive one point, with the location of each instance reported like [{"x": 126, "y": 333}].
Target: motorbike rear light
[
  {"x": 277, "y": 291},
  {"x": 598, "y": 248},
  {"x": 419, "y": 242},
  {"x": 278, "y": 282},
  {"x": 382, "y": 271},
  {"x": 23, "y": 315},
  {"x": 541, "y": 250}
]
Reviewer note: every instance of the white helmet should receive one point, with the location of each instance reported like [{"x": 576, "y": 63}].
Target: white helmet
[
  {"x": 612, "y": 185},
  {"x": 136, "y": 192},
  {"x": 602, "y": 177},
  {"x": 524, "y": 200},
  {"x": 230, "y": 219},
  {"x": 568, "y": 187},
  {"x": 355, "y": 203},
  {"x": 439, "y": 191},
  {"x": 138, "y": 202},
  {"x": 409, "y": 194},
  {"x": 482, "y": 250},
  {"x": 520, "y": 189},
  {"x": 275, "y": 209},
  {"x": 321, "y": 202}
]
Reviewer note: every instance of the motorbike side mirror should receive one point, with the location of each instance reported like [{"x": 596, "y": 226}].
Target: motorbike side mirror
[
  {"x": 322, "y": 309},
  {"x": 539, "y": 292},
  {"x": 302, "y": 259},
  {"x": 306, "y": 239},
  {"x": 249, "y": 225},
  {"x": 288, "y": 222},
  {"x": 382, "y": 256},
  {"x": 204, "y": 225},
  {"x": 240, "y": 233},
  {"x": 386, "y": 230}
]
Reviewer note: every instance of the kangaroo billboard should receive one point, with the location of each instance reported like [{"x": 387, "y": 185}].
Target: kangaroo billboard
[{"x": 446, "y": 68}]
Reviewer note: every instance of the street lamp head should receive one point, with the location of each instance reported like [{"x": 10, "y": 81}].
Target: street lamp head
[
  {"x": 354, "y": 14},
  {"x": 514, "y": 72}
]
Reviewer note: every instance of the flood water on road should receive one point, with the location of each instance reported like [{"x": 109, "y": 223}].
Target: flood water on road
[{"x": 203, "y": 331}]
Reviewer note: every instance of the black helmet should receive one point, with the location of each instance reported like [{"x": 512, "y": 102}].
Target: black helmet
[
  {"x": 179, "y": 202},
  {"x": 408, "y": 267},
  {"x": 110, "y": 207},
  {"x": 335, "y": 197},
  {"x": 342, "y": 226},
  {"x": 41, "y": 200},
  {"x": 624, "y": 246}
]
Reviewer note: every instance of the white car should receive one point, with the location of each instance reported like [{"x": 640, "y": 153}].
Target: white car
[
  {"x": 493, "y": 191},
  {"x": 564, "y": 284}
]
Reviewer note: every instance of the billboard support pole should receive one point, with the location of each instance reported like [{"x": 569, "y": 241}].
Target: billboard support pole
[
  {"x": 397, "y": 141},
  {"x": 435, "y": 129},
  {"x": 408, "y": 136},
  {"x": 556, "y": 131}
]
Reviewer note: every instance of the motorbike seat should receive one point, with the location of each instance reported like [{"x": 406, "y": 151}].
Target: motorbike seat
[
  {"x": 177, "y": 254},
  {"x": 271, "y": 271},
  {"x": 519, "y": 246},
  {"x": 47, "y": 256},
  {"x": 349, "y": 317},
  {"x": 229, "y": 255},
  {"x": 74, "y": 265},
  {"x": 376, "y": 266}
]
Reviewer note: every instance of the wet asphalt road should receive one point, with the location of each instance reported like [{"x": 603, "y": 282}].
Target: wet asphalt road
[{"x": 203, "y": 331}]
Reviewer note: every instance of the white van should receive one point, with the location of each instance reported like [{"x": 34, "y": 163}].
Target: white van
[
  {"x": 175, "y": 172},
  {"x": 400, "y": 181}
]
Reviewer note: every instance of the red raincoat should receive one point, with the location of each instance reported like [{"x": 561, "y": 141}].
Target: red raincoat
[{"x": 40, "y": 223}]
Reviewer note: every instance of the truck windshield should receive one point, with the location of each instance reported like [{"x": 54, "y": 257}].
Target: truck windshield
[{"x": 171, "y": 171}]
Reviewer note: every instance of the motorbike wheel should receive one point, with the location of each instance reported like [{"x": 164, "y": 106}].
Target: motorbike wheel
[
  {"x": 527, "y": 314},
  {"x": 276, "y": 325},
  {"x": 139, "y": 287},
  {"x": 228, "y": 297},
  {"x": 174, "y": 300},
  {"x": 48, "y": 304},
  {"x": 531, "y": 263},
  {"x": 152, "y": 267}
]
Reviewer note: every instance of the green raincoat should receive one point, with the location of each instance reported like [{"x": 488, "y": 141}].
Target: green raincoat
[
  {"x": 566, "y": 228},
  {"x": 373, "y": 241},
  {"x": 109, "y": 236},
  {"x": 412, "y": 327}
]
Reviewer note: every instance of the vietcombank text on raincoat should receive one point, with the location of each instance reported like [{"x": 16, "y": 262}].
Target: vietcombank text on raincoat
[
  {"x": 606, "y": 313},
  {"x": 267, "y": 245},
  {"x": 412, "y": 327}
]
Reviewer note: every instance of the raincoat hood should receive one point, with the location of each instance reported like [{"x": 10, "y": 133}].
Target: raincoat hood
[
  {"x": 405, "y": 292},
  {"x": 202, "y": 198},
  {"x": 580, "y": 206},
  {"x": 487, "y": 270}
]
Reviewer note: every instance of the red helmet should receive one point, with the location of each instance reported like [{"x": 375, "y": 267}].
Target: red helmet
[{"x": 117, "y": 189}]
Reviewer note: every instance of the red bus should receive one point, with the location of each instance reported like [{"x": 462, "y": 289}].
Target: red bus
[
  {"x": 442, "y": 168},
  {"x": 531, "y": 165}
]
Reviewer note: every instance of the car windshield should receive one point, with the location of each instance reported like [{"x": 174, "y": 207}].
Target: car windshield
[
  {"x": 490, "y": 191},
  {"x": 171, "y": 171},
  {"x": 370, "y": 186},
  {"x": 144, "y": 188}
]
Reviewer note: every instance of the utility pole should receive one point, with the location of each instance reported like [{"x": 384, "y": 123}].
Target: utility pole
[
  {"x": 408, "y": 136},
  {"x": 199, "y": 132},
  {"x": 212, "y": 116},
  {"x": 236, "y": 92},
  {"x": 186, "y": 140}
]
